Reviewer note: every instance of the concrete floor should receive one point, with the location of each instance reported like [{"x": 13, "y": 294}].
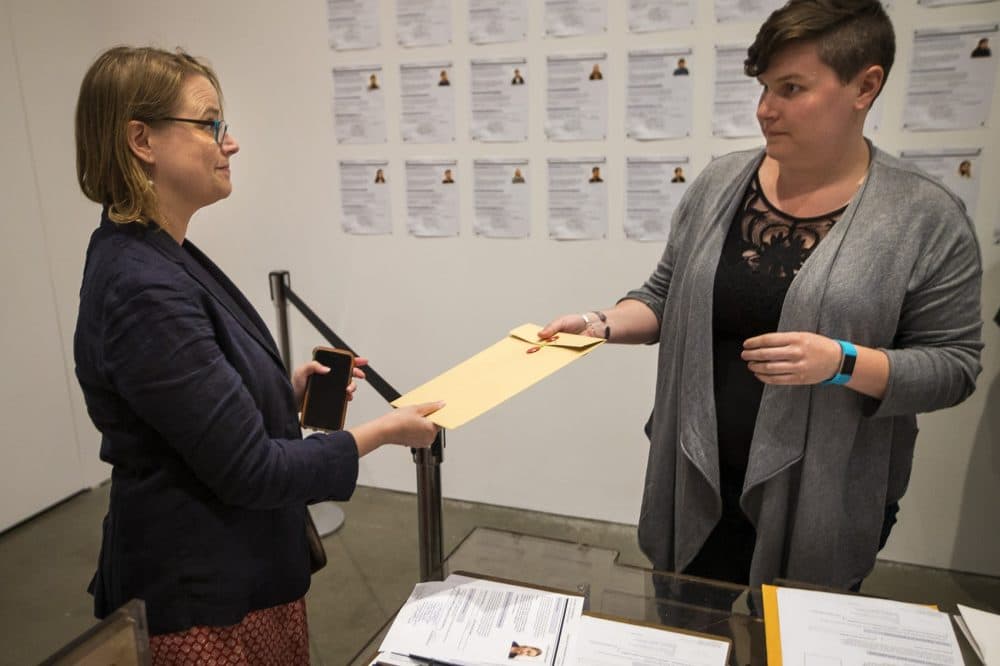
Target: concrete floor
[{"x": 46, "y": 562}]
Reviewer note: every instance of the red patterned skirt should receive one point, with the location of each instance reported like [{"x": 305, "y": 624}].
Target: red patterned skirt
[{"x": 278, "y": 636}]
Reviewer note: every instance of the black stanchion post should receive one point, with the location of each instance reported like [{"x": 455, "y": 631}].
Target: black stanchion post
[
  {"x": 326, "y": 516},
  {"x": 428, "y": 462},
  {"x": 280, "y": 282}
]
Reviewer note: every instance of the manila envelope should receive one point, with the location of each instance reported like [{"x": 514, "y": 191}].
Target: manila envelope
[{"x": 501, "y": 371}]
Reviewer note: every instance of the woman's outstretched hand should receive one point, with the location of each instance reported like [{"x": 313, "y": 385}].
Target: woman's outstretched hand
[
  {"x": 406, "y": 426},
  {"x": 571, "y": 323}
]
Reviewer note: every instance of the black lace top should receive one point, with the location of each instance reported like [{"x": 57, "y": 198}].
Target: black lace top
[{"x": 763, "y": 251}]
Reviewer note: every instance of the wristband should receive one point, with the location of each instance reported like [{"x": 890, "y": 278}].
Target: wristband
[
  {"x": 604, "y": 320},
  {"x": 848, "y": 356}
]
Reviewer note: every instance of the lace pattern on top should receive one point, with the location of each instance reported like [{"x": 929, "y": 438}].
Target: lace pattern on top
[
  {"x": 775, "y": 243},
  {"x": 763, "y": 251}
]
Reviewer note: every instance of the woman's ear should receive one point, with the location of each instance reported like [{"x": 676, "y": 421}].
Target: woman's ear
[
  {"x": 870, "y": 82},
  {"x": 137, "y": 133}
]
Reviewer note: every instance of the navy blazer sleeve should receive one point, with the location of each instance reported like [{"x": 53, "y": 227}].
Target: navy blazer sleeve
[
  {"x": 156, "y": 333},
  {"x": 162, "y": 355}
]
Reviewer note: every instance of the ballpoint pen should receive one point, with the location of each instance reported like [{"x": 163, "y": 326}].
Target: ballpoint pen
[
  {"x": 433, "y": 662},
  {"x": 424, "y": 661}
]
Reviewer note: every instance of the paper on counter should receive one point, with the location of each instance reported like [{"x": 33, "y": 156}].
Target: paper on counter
[
  {"x": 805, "y": 626},
  {"x": 464, "y": 620},
  {"x": 985, "y": 633},
  {"x": 607, "y": 642}
]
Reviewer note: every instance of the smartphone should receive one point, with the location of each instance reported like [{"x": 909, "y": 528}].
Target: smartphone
[{"x": 325, "y": 403}]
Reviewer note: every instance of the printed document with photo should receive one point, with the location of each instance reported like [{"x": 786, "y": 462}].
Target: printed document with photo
[{"x": 466, "y": 621}]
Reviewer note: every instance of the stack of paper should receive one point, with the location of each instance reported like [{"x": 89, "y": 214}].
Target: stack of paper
[
  {"x": 807, "y": 627},
  {"x": 603, "y": 641},
  {"x": 465, "y": 621}
]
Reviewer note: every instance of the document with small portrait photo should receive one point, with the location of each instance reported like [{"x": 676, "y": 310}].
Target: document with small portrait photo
[
  {"x": 502, "y": 197},
  {"x": 952, "y": 77},
  {"x": 359, "y": 104},
  {"x": 655, "y": 185},
  {"x": 500, "y": 98},
  {"x": 578, "y": 198},
  {"x": 660, "y": 102},
  {"x": 432, "y": 201},
  {"x": 427, "y": 99},
  {"x": 364, "y": 197},
  {"x": 957, "y": 168},
  {"x": 464, "y": 620},
  {"x": 576, "y": 97}
]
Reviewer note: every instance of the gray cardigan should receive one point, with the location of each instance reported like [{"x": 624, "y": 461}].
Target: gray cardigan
[{"x": 900, "y": 271}]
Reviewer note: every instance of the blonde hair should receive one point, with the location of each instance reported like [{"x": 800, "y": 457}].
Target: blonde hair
[{"x": 124, "y": 84}]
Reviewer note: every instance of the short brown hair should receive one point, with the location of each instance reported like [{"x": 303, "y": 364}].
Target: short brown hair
[
  {"x": 124, "y": 84},
  {"x": 849, "y": 34}
]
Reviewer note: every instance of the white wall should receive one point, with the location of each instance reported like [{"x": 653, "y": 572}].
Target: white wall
[
  {"x": 38, "y": 459},
  {"x": 572, "y": 444}
]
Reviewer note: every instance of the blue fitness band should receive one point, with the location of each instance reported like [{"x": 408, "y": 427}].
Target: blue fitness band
[{"x": 848, "y": 357}]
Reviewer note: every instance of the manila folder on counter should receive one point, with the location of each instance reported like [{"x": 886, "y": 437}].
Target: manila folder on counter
[{"x": 482, "y": 382}]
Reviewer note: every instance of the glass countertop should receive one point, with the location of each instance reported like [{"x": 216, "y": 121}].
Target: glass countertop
[{"x": 633, "y": 593}]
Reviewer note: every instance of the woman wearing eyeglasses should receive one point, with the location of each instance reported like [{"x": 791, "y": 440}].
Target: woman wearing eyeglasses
[{"x": 211, "y": 475}]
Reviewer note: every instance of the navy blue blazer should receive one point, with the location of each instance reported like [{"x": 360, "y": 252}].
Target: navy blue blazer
[{"x": 210, "y": 476}]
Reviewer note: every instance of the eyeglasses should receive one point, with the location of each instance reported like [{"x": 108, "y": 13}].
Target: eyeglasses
[{"x": 219, "y": 127}]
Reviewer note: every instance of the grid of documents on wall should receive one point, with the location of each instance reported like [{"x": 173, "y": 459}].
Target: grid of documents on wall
[{"x": 501, "y": 104}]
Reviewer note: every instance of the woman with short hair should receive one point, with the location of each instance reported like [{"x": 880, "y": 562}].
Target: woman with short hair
[{"x": 813, "y": 297}]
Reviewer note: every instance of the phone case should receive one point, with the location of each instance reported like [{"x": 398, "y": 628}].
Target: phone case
[{"x": 309, "y": 418}]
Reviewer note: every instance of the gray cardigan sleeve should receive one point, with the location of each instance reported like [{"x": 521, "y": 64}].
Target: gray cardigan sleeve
[
  {"x": 653, "y": 293},
  {"x": 934, "y": 359}
]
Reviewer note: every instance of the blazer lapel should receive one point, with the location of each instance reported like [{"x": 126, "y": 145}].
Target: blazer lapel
[{"x": 215, "y": 282}]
